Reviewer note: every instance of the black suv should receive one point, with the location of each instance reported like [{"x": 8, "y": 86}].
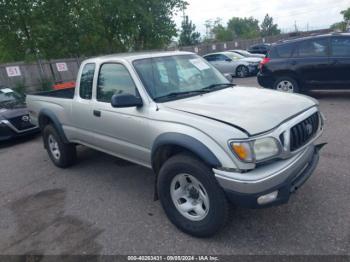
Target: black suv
[
  {"x": 316, "y": 62},
  {"x": 259, "y": 48}
]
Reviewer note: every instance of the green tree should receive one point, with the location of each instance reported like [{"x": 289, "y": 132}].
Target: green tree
[
  {"x": 268, "y": 28},
  {"x": 346, "y": 14},
  {"x": 188, "y": 35},
  {"x": 343, "y": 24},
  {"x": 220, "y": 32},
  {"x": 244, "y": 27},
  {"x": 32, "y": 29}
]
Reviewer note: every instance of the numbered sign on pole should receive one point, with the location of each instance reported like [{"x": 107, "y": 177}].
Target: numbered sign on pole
[
  {"x": 13, "y": 71},
  {"x": 61, "y": 67}
]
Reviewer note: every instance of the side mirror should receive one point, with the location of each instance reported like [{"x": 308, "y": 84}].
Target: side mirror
[
  {"x": 228, "y": 60},
  {"x": 126, "y": 100}
]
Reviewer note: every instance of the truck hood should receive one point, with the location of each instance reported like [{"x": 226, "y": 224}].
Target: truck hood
[{"x": 252, "y": 110}]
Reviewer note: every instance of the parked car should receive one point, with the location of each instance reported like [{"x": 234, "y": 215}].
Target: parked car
[
  {"x": 259, "y": 48},
  {"x": 246, "y": 53},
  {"x": 206, "y": 140},
  {"x": 14, "y": 116},
  {"x": 316, "y": 62},
  {"x": 234, "y": 64}
]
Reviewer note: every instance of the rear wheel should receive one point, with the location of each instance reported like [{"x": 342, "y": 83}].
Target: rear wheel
[
  {"x": 242, "y": 71},
  {"x": 62, "y": 154},
  {"x": 191, "y": 196},
  {"x": 286, "y": 84}
]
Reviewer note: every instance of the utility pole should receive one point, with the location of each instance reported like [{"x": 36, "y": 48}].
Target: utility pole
[{"x": 295, "y": 26}]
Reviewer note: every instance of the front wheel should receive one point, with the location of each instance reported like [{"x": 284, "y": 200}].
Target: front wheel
[
  {"x": 287, "y": 85},
  {"x": 191, "y": 196},
  {"x": 242, "y": 71},
  {"x": 62, "y": 154}
]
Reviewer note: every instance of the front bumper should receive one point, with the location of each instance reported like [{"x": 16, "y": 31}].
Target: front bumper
[
  {"x": 253, "y": 69},
  {"x": 8, "y": 131},
  {"x": 284, "y": 176}
]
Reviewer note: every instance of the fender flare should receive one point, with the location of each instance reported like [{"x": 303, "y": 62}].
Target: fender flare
[
  {"x": 188, "y": 142},
  {"x": 56, "y": 123}
]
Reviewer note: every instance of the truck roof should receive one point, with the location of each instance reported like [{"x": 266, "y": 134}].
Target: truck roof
[{"x": 131, "y": 56}]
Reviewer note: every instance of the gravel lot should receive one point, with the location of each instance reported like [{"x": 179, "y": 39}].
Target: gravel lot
[{"x": 104, "y": 205}]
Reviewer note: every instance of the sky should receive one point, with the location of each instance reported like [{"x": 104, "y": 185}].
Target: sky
[{"x": 311, "y": 14}]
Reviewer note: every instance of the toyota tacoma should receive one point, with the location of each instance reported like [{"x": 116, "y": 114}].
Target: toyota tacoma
[{"x": 209, "y": 142}]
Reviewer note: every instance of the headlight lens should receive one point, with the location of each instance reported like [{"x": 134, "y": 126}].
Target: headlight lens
[
  {"x": 256, "y": 150},
  {"x": 265, "y": 148}
]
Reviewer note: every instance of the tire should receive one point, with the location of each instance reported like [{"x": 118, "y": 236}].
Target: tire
[
  {"x": 242, "y": 71},
  {"x": 286, "y": 84},
  {"x": 216, "y": 208},
  {"x": 62, "y": 154}
]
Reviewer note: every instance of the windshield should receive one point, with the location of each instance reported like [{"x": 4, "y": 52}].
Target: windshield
[
  {"x": 179, "y": 74},
  {"x": 234, "y": 56},
  {"x": 8, "y": 96}
]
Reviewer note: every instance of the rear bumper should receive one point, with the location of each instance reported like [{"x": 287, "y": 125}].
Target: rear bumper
[
  {"x": 7, "y": 131},
  {"x": 284, "y": 176},
  {"x": 266, "y": 81}
]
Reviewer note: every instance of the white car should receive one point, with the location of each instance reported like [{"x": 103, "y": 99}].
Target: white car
[{"x": 234, "y": 64}]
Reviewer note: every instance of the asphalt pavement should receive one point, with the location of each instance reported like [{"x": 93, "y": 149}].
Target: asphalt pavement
[{"x": 104, "y": 205}]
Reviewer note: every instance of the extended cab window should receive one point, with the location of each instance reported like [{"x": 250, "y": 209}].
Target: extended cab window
[
  {"x": 114, "y": 79},
  {"x": 312, "y": 48},
  {"x": 86, "y": 80},
  {"x": 340, "y": 46}
]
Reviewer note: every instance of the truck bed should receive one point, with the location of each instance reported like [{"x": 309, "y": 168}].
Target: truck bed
[{"x": 62, "y": 93}]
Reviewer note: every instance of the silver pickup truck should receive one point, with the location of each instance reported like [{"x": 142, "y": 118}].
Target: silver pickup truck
[{"x": 208, "y": 141}]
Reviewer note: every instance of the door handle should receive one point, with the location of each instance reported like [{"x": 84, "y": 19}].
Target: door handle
[
  {"x": 97, "y": 113},
  {"x": 293, "y": 62}
]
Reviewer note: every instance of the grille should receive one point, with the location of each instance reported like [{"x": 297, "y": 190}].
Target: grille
[
  {"x": 303, "y": 132},
  {"x": 20, "y": 124}
]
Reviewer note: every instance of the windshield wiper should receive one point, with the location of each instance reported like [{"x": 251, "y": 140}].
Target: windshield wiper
[
  {"x": 217, "y": 86},
  {"x": 176, "y": 94},
  {"x": 200, "y": 91}
]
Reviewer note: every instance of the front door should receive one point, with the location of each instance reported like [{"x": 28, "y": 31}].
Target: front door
[
  {"x": 224, "y": 64},
  {"x": 120, "y": 131}
]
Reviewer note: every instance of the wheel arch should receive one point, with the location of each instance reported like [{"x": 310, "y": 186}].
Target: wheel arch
[
  {"x": 288, "y": 73},
  {"x": 169, "y": 144},
  {"x": 47, "y": 117}
]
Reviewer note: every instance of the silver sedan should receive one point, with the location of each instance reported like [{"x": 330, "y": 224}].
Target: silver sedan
[{"x": 234, "y": 64}]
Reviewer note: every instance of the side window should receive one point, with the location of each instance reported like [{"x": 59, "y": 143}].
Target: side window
[
  {"x": 86, "y": 79},
  {"x": 340, "y": 46},
  {"x": 284, "y": 50},
  {"x": 114, "y": 79},
  {"x": 210, "y": 58},
  {"x": 221, "y": 57},
  {"x": 315, "y": 48}
]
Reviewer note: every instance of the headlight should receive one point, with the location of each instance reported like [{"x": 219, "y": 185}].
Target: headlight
[
  {"x": 256, "y": 150},
  {"x": 265, "y": 148}
]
